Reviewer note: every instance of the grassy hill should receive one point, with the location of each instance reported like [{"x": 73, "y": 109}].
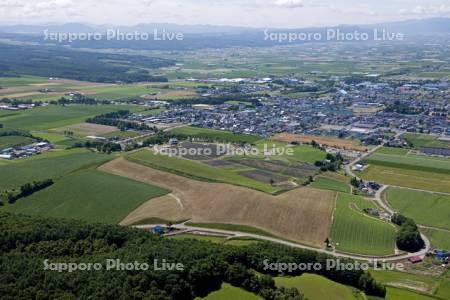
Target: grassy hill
[{"x": 355, "y": 232}]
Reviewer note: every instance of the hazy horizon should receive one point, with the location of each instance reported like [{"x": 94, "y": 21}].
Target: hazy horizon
[{"x": 250, "y": 13}]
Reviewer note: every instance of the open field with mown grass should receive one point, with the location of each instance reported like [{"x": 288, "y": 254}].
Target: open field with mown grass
[
  {"x": 197, "y": 170},
  {"x": 392, "y": 151},
  {"x": 88, "y": 195},
  {"x": 302, "y": 215},
  {"x": 228, "y": 292},
  {"x": 219, "y": 135},
  {"x": 55, "y": 116},
  {"x": 414, "y": 282},
  {"x": 355, "y": 232},
  {"x": 408, "y": 178},
  {"x": 14, "y": 141},
  {"x": 425, "y": 140},
  {"x": 327, "y": 183},
  {"x": 401, "y": 294},
  {"x": 439, "y": 239},
  {"x": 53, "y": 165},
  {"x": 411, "y": 162},
  {"x": 424, "y": 207},
  {"x": 316, "y": 287}
]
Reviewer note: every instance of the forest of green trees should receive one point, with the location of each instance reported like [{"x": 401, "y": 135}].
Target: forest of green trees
[{"x": 26, "y": 242}]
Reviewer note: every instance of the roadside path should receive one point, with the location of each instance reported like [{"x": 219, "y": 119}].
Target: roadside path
[{"x": 236, "y": 234}]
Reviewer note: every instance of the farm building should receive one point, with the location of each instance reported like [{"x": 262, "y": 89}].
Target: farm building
[{"x": 415, "y": 259}]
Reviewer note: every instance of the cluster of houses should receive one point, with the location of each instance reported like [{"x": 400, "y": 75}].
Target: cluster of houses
[{"x": 25, "y": 151}]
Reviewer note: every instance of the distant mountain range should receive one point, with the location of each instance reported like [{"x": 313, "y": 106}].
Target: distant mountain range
[
  {"x": 209, "y": 36},
  {"x": 421, "y": 26}
]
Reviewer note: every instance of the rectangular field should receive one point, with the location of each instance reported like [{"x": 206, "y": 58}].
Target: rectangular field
[
  {"x": 329, "y": 141},
  {"x": 411, "y": 162},
  {"x": 219, "y": 135},
  {"x": 316, "y": 287},
  {"x": 424, "y": 207},
  {"x": 355, "y": 232},
  {"x": 88, "y": 195},
  {"x": 327, "y": 183},
  {"x": 55, "y": 116},
  {"x": 408, "y": 178},
  {"x": 197, "y": 170},
  {"x": 439, "y": 238},
  {"x": 14, "y": 141},
  {"x": 53, "y": 165},
  {"x": 302, "y": 215}
]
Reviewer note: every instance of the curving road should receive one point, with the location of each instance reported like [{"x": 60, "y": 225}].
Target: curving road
[{"x": 235, "y": 234}]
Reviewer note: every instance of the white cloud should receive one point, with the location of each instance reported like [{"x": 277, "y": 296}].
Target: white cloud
[
  {"x": 54, "y": 4},
  {"x": 148, "y": 2},
  {"x": 428, "y": 10},
  {"x": 10, "y": 3},
  {"x": 289, "y": 3}
]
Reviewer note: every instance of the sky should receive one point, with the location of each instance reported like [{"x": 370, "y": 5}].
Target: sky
[{"x": 254, "y": 13}]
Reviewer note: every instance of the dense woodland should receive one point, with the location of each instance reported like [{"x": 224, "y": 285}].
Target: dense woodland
[
  {"x": 25, "y": 242},
  {"x": 78, "y": 65}
]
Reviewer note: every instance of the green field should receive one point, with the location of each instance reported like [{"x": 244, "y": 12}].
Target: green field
[
  {"x": 326, "y": 183},
  {"x": 425, "y": 208},
  {"x": 408, "y": 178},
  {"x": 218, "y": 135},
  {"x": 410, "y": 162},
  {"x": 355, "y": 232},
  {"x": 316, "y": 287},
  {"x": 406, "y": 280},
  {"x": 88, "y": 195},
  {"x": 229, "y": 292},
  {"x": 14, "y": 141},
  {"x": 55, "y": 116},
  {"x": 52, "y": 165},
  {"x": 301, "y": 153},
  {"x": 443, "y": 290},
  {"x": 399, "y": 294},
  {"x": 6, "y": 82},
  {"x": 207, "y": 238},
  {"x": 197, "y": 170},
  {"x": 439, "y": 238},
  {"x": 392, "y": 151},
  {"x": 424, "y": 140}
]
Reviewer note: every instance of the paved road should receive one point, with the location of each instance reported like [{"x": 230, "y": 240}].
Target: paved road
[{"x": 185, "y": 228}]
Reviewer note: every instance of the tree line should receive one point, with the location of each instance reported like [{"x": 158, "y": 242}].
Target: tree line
[
  {"x": 26, "y": 241},
  {"x": 26, "y": 190}
]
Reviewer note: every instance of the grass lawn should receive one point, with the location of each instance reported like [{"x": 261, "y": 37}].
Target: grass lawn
[
  {"x": 425, "y": 208},
  {"x": 14, "y": 141},
  {"x": 52, "y": 165},
  {"x": 411, "y": 162},
  {"x": 316, "y": 287},
  {"x": 229, "y": 292},
  {"x": 6, "y": 82},
  {"x": 207, "y": 238},
  {"x": 392, "y": 151},
  {"x": 405, "y": 280},
  {"x": 326, "y": 183},
  {"x": 424, "y": 140},
  {"x": 408, "y": 178},
  {"x": 55, "y": 116},
  {"x": 214, "y": 134},
  {"x": 355, "y": 232},
  {"x": 121, "y": 134},
  {"x": 197, "y": 170},
  {"x": 439, "y": 239},
  {"x": 234, "y": 227},
  {"x": 443, "y": 290},
  {"x": 400, "y": 294},
  {"x": 303, "y": 153},
  {"x": 88, "y": 195}
]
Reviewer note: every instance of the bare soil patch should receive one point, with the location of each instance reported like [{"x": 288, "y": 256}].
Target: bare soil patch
[
  {"x": 302, "y": 215},
  {"x": 329, "y": 141}
]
